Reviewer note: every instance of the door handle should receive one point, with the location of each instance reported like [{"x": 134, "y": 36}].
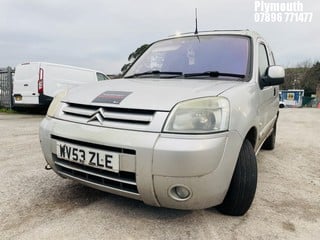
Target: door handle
[{"x": 26, "y": 85}]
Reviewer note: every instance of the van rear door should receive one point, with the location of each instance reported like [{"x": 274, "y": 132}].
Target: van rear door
[{"x": 25, "y": 84}]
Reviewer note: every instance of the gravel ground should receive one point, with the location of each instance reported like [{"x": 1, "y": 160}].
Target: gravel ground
[{"x": 37, "y": 204}]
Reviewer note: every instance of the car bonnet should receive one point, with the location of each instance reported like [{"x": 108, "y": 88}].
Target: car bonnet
[{"x": 149, "y": 94}]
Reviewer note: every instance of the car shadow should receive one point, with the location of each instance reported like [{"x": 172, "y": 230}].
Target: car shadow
[{"x": 69, "y": 196}]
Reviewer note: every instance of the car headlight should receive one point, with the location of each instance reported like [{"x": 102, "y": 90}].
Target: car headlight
[
  {"x": 55, "y": 105},
  {"x": 202, "y": 115}
]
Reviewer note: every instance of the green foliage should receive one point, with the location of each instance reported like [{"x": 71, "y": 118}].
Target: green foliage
[
  {"x": 6, "y": 110},
  {"x": 312, "y": 78},
  {"x": 294, "y": 77},
  {"x": 306, "y": 76},
  {"x": 133, "y": 56},
  {"x": 125, "y": 67},
  {"x": 138, "y": 52}
]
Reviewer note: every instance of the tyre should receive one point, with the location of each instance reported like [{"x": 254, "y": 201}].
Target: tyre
[
  {"x": 270, "y": 142},
  {"x": 243, "y": 184}
]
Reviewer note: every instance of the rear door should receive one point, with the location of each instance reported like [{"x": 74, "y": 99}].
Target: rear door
[{"x": 25, "y": 84}]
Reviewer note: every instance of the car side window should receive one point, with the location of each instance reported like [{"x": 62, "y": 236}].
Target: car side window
[
  {"x": 101, "y": 77},
  {"x": 263, "y": 60}
]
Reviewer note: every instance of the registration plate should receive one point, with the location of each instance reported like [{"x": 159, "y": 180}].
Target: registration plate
[{"x": 88, "y": 156}]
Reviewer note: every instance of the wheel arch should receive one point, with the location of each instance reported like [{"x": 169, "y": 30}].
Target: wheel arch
[{"x": 252, "y": 136}]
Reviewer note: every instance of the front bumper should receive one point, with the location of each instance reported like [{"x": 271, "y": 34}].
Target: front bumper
[{"x": 154, "y": 161}]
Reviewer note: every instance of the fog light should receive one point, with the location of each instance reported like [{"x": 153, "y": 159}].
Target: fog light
[{"x": 180, "y": 193}]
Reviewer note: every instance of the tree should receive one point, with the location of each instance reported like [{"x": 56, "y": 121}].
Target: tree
[
  {"x": 294, "y": 77},
  {"x": 134, "y": 55},
  {"x": 305, "y": 76},
  {"x": 311, "y": 79}
]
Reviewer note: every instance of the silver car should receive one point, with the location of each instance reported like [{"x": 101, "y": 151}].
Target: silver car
[{"x": 180, "y": 130}]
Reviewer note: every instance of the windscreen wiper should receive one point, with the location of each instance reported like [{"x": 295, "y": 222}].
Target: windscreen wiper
[
  {"x": 171, "y": 74},
  {"x": 214, "y": 74}
]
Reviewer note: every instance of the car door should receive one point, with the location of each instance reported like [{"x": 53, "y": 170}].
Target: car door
[
  {"x": 267, "y": 95},
  {"x": 25, "y": 83}
]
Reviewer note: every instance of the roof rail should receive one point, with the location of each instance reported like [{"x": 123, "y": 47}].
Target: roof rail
[{"x": 208, "y": 31}]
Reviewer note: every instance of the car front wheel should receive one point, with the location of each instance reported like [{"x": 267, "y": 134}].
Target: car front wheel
[{"x": 243, "y": 184}]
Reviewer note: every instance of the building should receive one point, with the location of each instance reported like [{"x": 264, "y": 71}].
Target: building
[{"x": 291, "y": 97}]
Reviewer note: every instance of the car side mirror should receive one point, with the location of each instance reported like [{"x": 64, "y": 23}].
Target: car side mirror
[{"x": 274, "y": 76}]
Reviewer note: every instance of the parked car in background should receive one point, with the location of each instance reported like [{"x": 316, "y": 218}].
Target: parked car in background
[
  {"x": 282, "y": 104},
  {"x": 36, "y": 83},
  {"x": 181, "y": 130}
]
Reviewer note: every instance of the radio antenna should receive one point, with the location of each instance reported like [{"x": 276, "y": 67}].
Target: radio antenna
[{"x": 196, "y": 13}]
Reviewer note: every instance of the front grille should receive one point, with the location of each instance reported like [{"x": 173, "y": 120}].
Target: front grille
[
  {"x": 93, "y": 145},
  {"x": 125, "y": 181},
  {"x": 105, "y": 115}
]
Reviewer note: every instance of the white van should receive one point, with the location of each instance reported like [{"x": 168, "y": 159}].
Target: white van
[{"x": 36, "y": 83}]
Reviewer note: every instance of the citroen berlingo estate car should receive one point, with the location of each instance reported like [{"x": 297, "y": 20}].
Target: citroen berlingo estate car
[{"x": 181, "y": 129}]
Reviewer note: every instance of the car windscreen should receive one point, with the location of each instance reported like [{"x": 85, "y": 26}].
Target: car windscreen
[{"x": 196, "y": 54}]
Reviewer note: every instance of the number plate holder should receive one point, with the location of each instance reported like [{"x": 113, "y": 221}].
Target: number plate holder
[{"x": 92, "y": 157}]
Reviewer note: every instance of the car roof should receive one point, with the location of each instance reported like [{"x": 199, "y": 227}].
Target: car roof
[{"x": 245, "y": 32}]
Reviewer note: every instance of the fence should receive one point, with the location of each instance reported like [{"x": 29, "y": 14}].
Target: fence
[{"x": 6, "y": 86}]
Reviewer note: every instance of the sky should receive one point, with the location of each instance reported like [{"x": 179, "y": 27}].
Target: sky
[{"x": 100, "y": 34}]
